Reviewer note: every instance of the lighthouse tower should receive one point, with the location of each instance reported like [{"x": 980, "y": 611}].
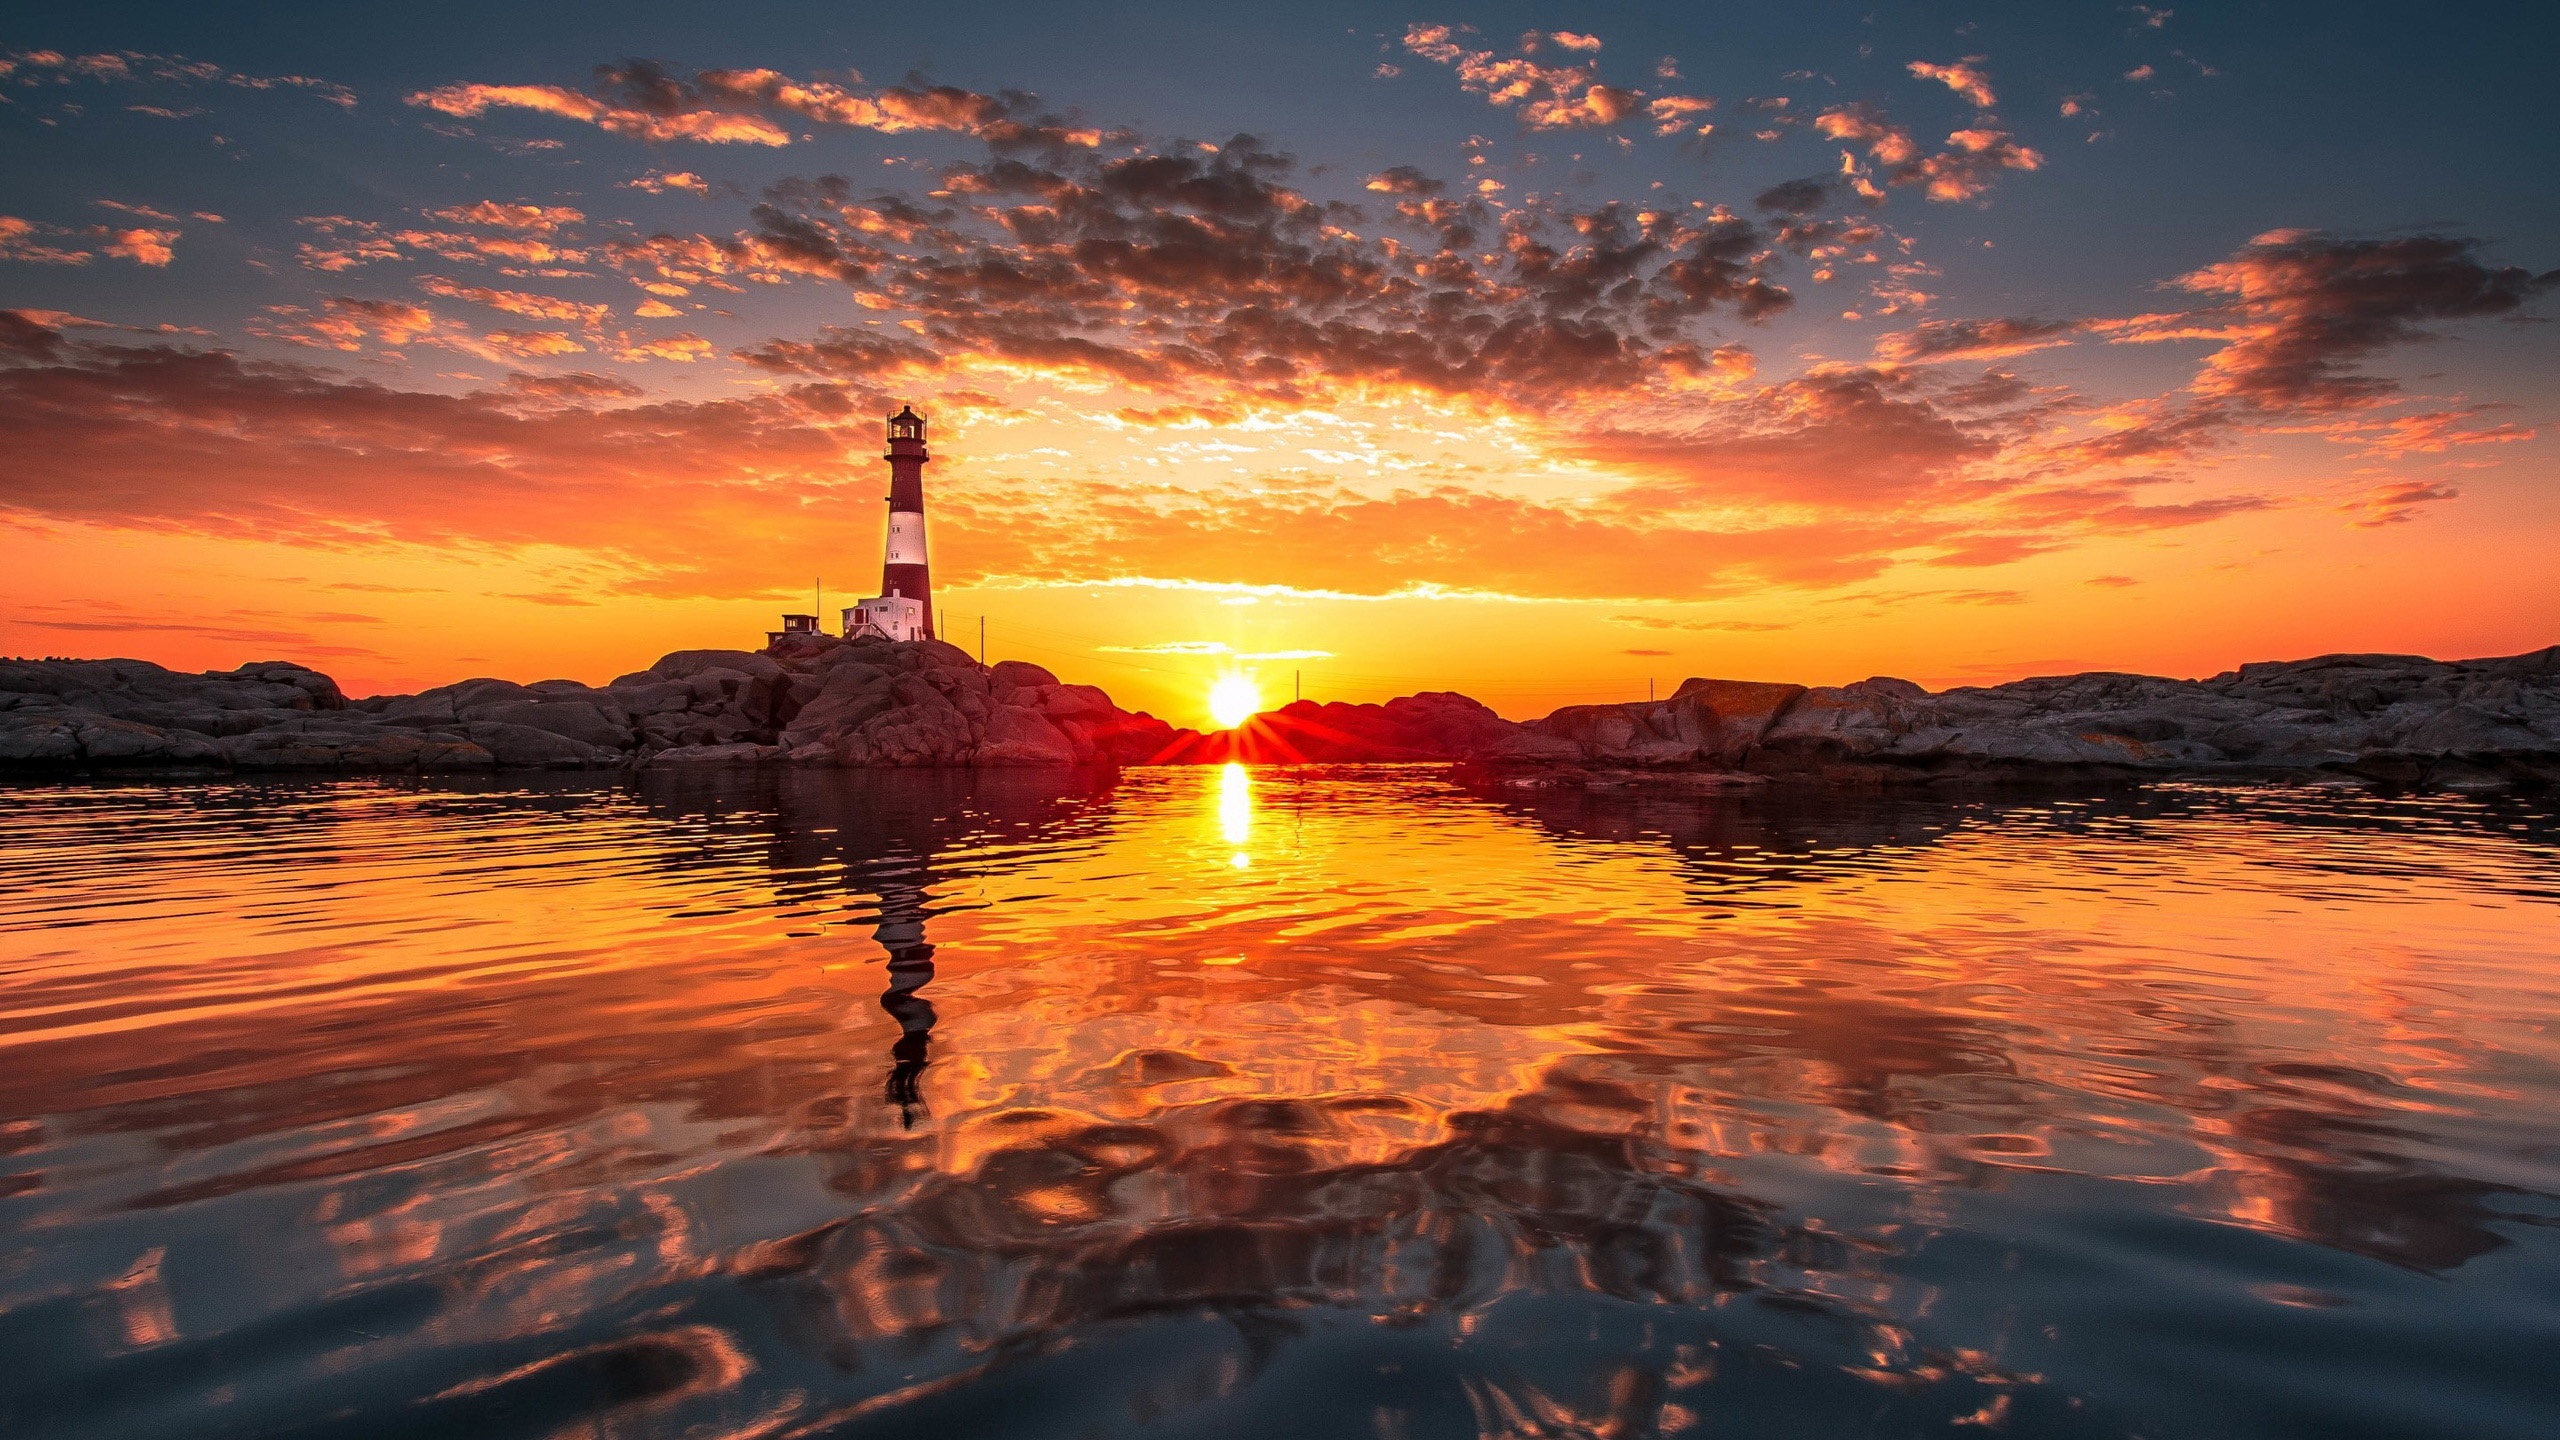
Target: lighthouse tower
[{"x": 903, "y": 610}]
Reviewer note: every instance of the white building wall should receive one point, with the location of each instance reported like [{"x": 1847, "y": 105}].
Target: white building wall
[{"x": 894, "y": 616}]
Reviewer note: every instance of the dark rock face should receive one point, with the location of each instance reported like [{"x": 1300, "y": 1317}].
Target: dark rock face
[
  {"x": 72, "y": 714},
  {"x": 2394, "y": 719},
  {"x": 815, "y": 701}
]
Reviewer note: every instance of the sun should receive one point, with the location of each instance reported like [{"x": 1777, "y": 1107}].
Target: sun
[{"x": 1234, "y": 700}]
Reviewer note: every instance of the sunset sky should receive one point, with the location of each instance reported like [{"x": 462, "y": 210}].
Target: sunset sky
[{"x": 1530, "y": 351}]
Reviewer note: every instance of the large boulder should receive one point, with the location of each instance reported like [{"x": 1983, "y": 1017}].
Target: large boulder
[
  {"x": 1723, "y": 719},
  {"x": 576, "y": 720},
  {"x": 685, "y": 664},
  {"x": 1858, "y": 719},
  {"x": 435, "y": 707},
  {"x": 650, "y": 696},
  {"x": 529, "y": 747},
  {"x": 350, "y": 748},
  {"x": 914, "y": 734},
  {"x": 38, "y": 739},
  {"x": 1013, "y": 735},
  {"x": 847, "y": 696}
]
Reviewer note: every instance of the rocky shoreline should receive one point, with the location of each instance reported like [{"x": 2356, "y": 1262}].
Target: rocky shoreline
[{"x": 2389, "y": 720}]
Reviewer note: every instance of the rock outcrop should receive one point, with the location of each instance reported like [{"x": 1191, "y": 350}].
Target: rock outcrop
[
  {"x": 820, "y": 701},
  {"x": 814, "y": 700},
  {"x": 1434, "y": 725},
  {"x": 2393, "y": 719}
]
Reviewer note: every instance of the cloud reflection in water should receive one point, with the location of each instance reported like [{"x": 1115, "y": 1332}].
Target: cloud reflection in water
[{"x": 509, "y": 1107}]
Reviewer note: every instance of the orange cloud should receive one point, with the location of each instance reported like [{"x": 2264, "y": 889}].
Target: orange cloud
[
  {"x": 684, "y": 349},
  {"x": 642, "y": 99},
  {"x": 535, "y": 219},
  {"x": 1672, "y": 113},
  {"x": 683, "y": 495},
  {"x": 1966, "y": 77},
  {"x": 711, "y": 127},
  {"x": 2397, "y": 503},
  {"x": 18, "y": 242},
  {"x": 1886, "y": 142},
  {"x": 516, "y": 302},
  {"x": 1550, "y": 97},
  {"x": 1962, "y": 171},
  {"x": 530, "y": 343},
  {"x": 345, "y": 322},
  {"x": 144, "y": 246},
  {"x": 1937, "y": 340},
  {"x": 659, "y": 182}
]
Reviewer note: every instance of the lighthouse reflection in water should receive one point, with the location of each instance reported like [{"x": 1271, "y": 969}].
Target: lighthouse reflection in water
[{"x": 1272, "y": 1102}]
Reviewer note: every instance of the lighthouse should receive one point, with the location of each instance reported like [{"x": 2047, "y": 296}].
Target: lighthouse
[{"x": 903, "y": 610}]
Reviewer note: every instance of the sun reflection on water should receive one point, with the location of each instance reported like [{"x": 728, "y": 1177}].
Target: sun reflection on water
[{"x": 1235, "y": 812}]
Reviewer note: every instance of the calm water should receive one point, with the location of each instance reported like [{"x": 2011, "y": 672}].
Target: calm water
[{"x": 1278, "y": 1104}]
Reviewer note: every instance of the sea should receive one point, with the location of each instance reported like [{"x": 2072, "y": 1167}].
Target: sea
[{"x": 1243, "y": 1102}]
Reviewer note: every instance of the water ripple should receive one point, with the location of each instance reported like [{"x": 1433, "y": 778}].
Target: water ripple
[{"x": 1293, "y": 1102}]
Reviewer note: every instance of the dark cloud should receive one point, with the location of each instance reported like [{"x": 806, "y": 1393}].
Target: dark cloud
[
  {"x": 1405, "y": 180},
  {"x": 1205, "y": 266},
  {"x": 1933, "y": 340},
  {"x": 1797, "y": 197},
  {"x": 2313, "y": 306},
  {"x": 842, "y": 354}
]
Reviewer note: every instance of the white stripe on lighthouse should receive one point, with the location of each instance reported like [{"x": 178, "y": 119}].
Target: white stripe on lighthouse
[{"x": 906, "y": 538}]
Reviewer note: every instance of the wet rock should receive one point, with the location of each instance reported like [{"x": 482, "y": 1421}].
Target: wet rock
[
  {"x": 31, "y": 739},
  {"x": 732, "y": 754}
]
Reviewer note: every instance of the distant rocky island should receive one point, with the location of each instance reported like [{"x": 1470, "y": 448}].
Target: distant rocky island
[{"x": 2397, "y": 721}]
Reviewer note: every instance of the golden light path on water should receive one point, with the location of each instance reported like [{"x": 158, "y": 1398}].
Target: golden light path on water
[{"x": 1271, "y": 1102}]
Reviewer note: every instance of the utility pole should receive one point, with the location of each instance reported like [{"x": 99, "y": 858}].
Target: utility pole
[
  {"x": 982, "y": 642},
  {"x": 818, "y": 597},
  {"x": 1648, "y": 689},
  {"x": 1297, "y": 685}
]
